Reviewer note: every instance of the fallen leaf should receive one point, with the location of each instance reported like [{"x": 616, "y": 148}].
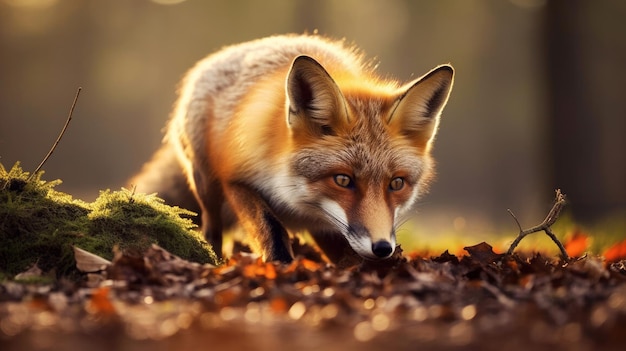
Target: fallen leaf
[
  {"x": 446, "y": 257},
  {"x": 270, "y": 271},
  {"x": 251, "y": 271},
  {"x": 32, "y": 272},
  {"x": 310, "y": 265},
  {"x": 88, "y": 262},
  {"x": 577, "y": 244},
  {"x": 616, "y": 252},
  {"x": 483, "y": 253},
  {"x": 100, "y": 302},
  {"x": 279, "y": 305}
]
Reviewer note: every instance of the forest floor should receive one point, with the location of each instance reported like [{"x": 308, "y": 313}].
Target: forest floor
[{"x": 482, "y": 301}]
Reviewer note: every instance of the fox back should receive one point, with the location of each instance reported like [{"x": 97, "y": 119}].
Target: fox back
[{"x": 293, "y": 133}]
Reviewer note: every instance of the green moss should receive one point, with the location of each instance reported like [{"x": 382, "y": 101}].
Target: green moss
[
  {"x": 40, "y": 225},
  {"x": 137, "y": 220}
]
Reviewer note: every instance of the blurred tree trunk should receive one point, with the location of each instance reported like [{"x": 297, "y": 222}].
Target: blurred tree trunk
[{"x": 587, "y": 126}]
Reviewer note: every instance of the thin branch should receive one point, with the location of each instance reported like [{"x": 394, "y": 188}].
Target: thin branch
[
  {"x": 553, "y": 215},
  {"x": 515, "y": 218},
  {"x": 67, "y": 122}
]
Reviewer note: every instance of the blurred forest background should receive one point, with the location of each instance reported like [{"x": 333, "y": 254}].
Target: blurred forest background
[{"x": 538, "y": 103}]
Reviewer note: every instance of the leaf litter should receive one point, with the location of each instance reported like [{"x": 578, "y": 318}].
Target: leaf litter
[{"x": 482, "y": 300}]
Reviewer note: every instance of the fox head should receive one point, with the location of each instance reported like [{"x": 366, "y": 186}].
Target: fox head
[{"x": 363, "y": 149}]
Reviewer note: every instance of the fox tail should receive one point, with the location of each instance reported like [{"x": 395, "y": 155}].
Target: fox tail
[{"x": 164, "y": 176}]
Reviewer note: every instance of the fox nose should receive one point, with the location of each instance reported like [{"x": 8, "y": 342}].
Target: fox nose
[{"x": 382, "y": 249}]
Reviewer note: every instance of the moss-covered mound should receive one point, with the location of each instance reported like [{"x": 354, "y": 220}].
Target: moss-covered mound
[{"x": 40, "y": 225}]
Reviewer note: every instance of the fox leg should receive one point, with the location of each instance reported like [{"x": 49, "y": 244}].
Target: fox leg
[
  {"x": 336, "y": 248},
  {"x": 260, "y": 222},
  {"x": 212, "y": 222},
  {"x": 210, "y": 198}
]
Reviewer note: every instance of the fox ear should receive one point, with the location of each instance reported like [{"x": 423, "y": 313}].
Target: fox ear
[
  {"x": 314, "y": 101},
  {"x": 419, "y": 106}
]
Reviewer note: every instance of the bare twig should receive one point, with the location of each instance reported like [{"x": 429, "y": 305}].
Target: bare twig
[
  {"x": 559, "y": 203},
  {"x": 54, "y": 146},
  {"x": 131, "y": 198}
]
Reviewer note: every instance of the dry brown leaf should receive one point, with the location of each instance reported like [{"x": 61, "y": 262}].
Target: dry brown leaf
[
  {"x": 32, "y": 272},
  {"x": 88, "y": 262},
  {"x": 483, "y": 253}
]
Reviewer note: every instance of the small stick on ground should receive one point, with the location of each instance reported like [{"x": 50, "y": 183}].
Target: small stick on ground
[
  {"x": 559, "y": 203},
  {"x": 67, "y": 122}
]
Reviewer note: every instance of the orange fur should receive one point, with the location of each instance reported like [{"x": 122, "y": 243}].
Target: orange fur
[{"x": 292, "y": 133}]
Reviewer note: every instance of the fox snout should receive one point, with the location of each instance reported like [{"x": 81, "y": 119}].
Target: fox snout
[
  {"x": 371, "y": 246},
  {"x": 375, "y": 250},
  {"x": 369, "y": 228}
]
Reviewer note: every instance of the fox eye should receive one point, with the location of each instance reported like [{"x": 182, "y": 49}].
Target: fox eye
[
  {"x": 343, "y": 180},
  {"x": 396, "y": 184}
]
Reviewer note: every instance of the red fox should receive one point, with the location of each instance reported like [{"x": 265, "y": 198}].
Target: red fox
[{"x": 298, "y": 133}]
